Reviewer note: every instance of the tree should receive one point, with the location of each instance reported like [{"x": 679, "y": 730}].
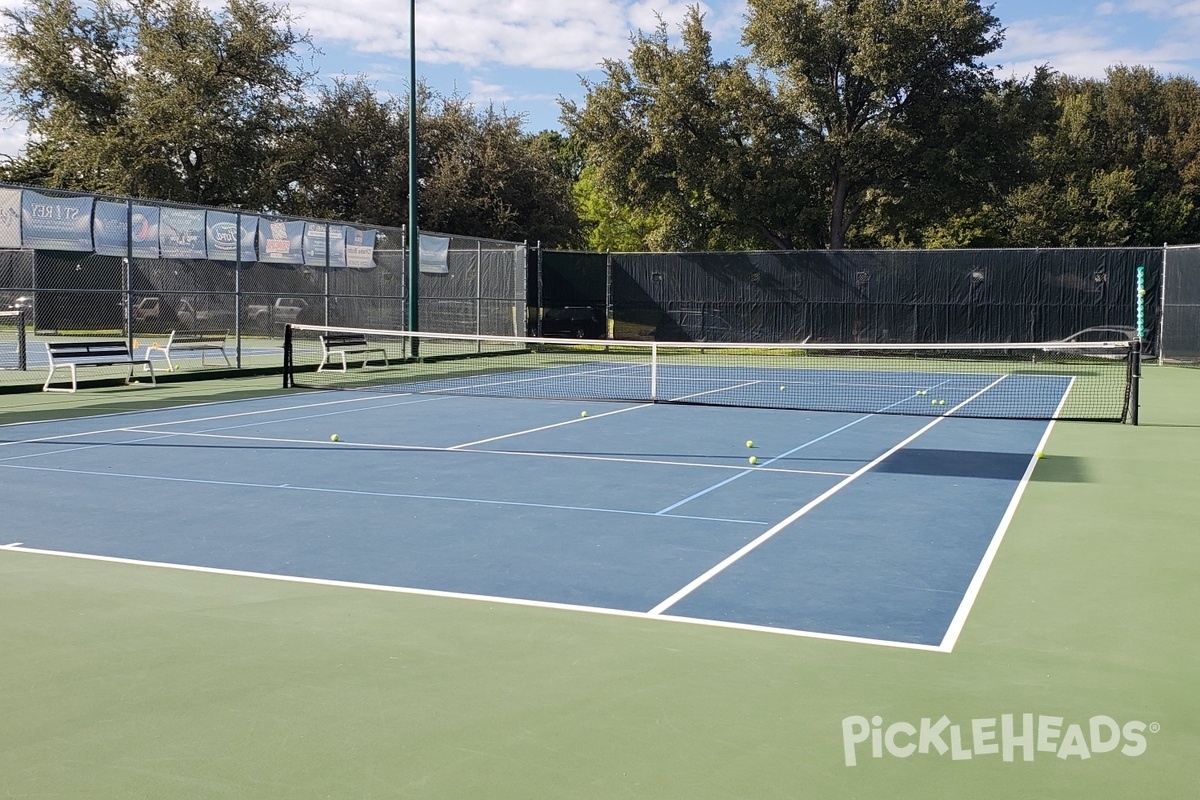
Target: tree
[
  {"x": 157, "y": 98},
  {"x": 890, "y": 97},
  {"x": 844, "y": 108},
  {"x": 1120, "y": 167},
  {"x": 481, "y": 175},
  {"x": 350, "y": 157},
  {"x": 692, "y": 145}
]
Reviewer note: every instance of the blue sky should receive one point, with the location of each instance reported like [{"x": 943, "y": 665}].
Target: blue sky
[{"x": 523, "y": 55}]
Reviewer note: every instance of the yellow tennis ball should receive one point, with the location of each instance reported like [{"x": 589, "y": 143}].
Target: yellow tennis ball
[
  {"x": 783, "y": 388},
  {"x": 1040, "y": 454},
  {"x": 753, "y": 459},
  {"x": 334, "y": 438},
  {"x": 583, "y": 414},
  {"x": 749, "y": 443}
]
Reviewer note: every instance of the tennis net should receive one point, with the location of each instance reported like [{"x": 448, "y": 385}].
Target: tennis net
[
  {"x": 12, "y": 340},
  {"x": 1085, "y": 381}
]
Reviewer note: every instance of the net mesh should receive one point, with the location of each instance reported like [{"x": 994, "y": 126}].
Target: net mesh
[{"x": 1089, "y": 381}]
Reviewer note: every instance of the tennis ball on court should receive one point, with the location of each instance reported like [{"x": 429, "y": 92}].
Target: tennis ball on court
[
  {"x": 753, "y": 459},
  {"x": 1040, "y": 454},
  {"x": 334, "y": 438},
  {"x": 583, "y": 414},
  {"x": 783, "y": 388},
  {"x": 749, "y": 443}
]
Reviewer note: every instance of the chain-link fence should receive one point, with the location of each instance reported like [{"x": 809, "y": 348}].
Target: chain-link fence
[
  {"x": 1180, "y": 322},
  {"x": 86, "y": 267},
  {"x": 902, "y": 296}
]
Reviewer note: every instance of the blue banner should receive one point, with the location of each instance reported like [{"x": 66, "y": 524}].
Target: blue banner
[
  {"x": 314, "y": 244},
  {"x": 181, "y": 233},
  {"x": 280, "y": 242},
  {"x": 360, "y": 248},
  {"x": 56, "y": 223},
  {"x": 110, "y": 226},
  {"x": 222, "y": 236}
]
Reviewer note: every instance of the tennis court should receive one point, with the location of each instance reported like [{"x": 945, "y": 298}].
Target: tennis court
[{"x": 477, "y": 595}]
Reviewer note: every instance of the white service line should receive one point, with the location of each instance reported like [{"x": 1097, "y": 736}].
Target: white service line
[
  {"x": 770, "y": 533},
  {"x": 548, "y": 427}
]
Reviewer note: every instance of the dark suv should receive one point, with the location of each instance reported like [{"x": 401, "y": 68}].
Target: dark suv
[{"x": 579, "y": 322}]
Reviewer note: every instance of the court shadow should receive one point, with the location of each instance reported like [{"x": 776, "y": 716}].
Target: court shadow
[{"x": 983, "y": 464}]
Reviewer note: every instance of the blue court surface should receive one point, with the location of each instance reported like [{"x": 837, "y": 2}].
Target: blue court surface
[{"x": 868, "y": 527}]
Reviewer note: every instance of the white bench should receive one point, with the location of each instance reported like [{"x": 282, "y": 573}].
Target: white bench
[
  {"x": 72, "y": 355},
  {"x": 338, "y": 346},
  {"x": 192, "y": 341}
]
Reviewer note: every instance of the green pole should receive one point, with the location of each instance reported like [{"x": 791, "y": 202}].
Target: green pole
[{"x": 414, "y": 235}]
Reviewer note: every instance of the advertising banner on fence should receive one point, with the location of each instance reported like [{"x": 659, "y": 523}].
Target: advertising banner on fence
[
  {"x": 56, "y": 223},
  {"x": 360, "y": 248},
  {"x": 110, "y": 226},
  {"x": 314, "y": 244},
  {"x": 181, "y": 233},
  {"x": 222, "y": 235},
  {"x": 435, "y": 251},
  {"x": 280, "y": 242},
  {"x": 10, "y": 218}
]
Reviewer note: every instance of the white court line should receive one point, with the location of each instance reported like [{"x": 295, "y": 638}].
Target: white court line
[
  {"x": 364, "y": 493},
  {"x": 95, "y": 431},
  {"x": 169, "y": 434},
  {"x": 985, "y": 564},
  {"x": 491, "y": 599},
  {"x": 418, "y": 448},
  {"x": 766, "y": 465},
  {"x": 548, "y": 427},
  {"x": 770, "y": 533}
]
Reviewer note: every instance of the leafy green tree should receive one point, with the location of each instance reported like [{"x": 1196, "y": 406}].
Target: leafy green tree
[
  {"x": 350, "y": 156},
  {"x": 890, "y": 98},
  {"x": 481, "y": 175},
  {"x": 607, "y": 226},
  {"x": 689, "y": 145},
  {"x": 1120, "y": 166},
  {"x": 157, "y": 98},
  {"x": 844, "y": 109}
]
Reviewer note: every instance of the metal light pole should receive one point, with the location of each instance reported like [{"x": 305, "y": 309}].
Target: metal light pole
[{"x": 414, "y": 234}]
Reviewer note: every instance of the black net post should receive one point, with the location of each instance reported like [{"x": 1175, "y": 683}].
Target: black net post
[
  {"x": 1135, "y": 379},
  {"x": 287, "y": 356},
  {"x": 22, "y": 356}
]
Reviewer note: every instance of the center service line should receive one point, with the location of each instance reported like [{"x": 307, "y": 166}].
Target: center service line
[
  {"x": 746, "y": 472},
  {"x": 770, "y": 533}
]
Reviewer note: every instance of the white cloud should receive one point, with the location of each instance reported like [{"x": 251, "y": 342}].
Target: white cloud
[
  {"x": 12, "y": 138},
  {"x": 519, "y": 33},
  {"x": 1087, "y": 49}
]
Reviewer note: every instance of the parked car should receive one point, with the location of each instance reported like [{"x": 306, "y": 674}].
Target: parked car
[
  {"x": 22, "y": 303},
  {"x": 281, "y": 312},
  {"x": 201, "y": 313},
  {"x": 1104, "y": 333},
  {"x": 578, "y": 322}
]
